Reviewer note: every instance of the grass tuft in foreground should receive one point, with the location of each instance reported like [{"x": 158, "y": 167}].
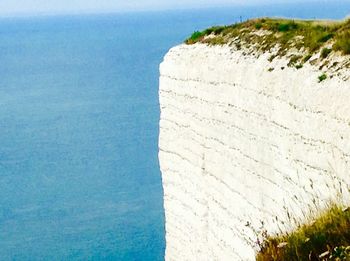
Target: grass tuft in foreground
[{"x": 327, "y": 238}]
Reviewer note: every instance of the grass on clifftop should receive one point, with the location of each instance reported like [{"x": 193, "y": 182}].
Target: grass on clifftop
[
  {"x": 327, "y": 238},
  {"x": 266, "y": 33}
]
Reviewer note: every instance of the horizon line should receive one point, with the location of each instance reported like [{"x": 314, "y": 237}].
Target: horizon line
[{"x": 144, "y": 10}]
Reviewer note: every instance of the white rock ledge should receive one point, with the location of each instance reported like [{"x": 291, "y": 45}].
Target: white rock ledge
[{"x": 243, "y": 149}]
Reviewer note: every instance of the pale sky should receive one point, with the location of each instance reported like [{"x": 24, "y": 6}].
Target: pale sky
[{"x": 18, "y": 7}]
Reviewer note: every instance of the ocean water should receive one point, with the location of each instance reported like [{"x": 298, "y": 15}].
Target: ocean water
[{"x": 79, "y": 112}]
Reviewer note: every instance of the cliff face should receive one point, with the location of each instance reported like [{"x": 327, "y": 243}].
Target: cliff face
[{"x": 246, "y": 147}]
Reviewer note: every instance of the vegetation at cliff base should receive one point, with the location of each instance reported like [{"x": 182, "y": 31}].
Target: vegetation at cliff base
[
  {"x": 266, "y": 33},
  {"x": 326, "y": 238}
]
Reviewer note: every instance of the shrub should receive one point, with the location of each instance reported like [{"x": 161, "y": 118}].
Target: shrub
[
  {"x": 322, "y": 77},
  {"x": 258, "y": 26},
  {"x": 284, "y": 27},
  {"x": 299, "y": 66},
  {"x": 325, "y": 52},
  {"x": 215, "y": 30},
  {"x": 195, "y": 37},
  {"x": 324, "y": 38},
  {"x": 218, "y": 30}
]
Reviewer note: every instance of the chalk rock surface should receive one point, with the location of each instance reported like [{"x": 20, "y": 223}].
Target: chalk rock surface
[{"x": 246, "y": 146}]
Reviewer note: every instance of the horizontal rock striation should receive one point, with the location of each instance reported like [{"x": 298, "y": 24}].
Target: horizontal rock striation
[{"x": 246, "y": 147}]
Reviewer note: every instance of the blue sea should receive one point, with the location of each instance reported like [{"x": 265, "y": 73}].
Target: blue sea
[{"x": 79, "y": 112}]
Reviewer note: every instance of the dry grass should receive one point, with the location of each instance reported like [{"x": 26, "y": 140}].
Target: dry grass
[
  {"x": 267, "y": 33},
  {"x": 327, "y": 238}
]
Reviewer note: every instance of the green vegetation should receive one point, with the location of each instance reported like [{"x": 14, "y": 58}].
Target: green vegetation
[
  {"x": 325, "y": 52},
  {"x": 306, "y": 58},
  {"x": 327, "y": 238},
  {"x": 195, "y": 37},
  {"x": 322, "y": 77},
  {"x": 299, "y": 66},
  {"x": 265, "y": 34},
  {"x": 258, "y": 26},
  {"x": 294, "y": 60},
  {"x": 343, "y": 42}
]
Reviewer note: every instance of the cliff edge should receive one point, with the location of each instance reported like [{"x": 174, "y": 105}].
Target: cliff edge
[{"x": 248, "y": 144}]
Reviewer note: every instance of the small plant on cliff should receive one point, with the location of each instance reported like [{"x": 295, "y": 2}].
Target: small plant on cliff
[
  {"x": 299, "y": 66},
  {"x": 294, "y": 60},
  {"x": 306, "y": 58},
  {"x": 287, "y": 26},
  {"x": 258, "y": 26},
  {"x": 325, "y": 52},
  {"x": 326, "y": 238},
  {"x": 195, "y": 37},
  {"x": 322, "y": 77}
]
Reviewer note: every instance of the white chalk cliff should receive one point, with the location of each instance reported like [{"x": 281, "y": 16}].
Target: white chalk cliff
[{"x": 245, "y": 149}]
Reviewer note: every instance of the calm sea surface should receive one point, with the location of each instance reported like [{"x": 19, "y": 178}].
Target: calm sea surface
[{"x": 79, "y": 173}]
